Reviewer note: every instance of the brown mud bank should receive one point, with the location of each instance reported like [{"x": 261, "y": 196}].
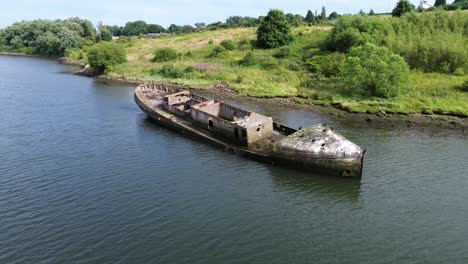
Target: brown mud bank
[{"x": 378, "y": 120}]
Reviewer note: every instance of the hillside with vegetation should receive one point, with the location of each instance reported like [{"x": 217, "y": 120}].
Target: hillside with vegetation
[{"x": 406, "y": 63}]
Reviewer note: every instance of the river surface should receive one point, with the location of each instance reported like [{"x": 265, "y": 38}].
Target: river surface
[{"x": 85, "y": 177}]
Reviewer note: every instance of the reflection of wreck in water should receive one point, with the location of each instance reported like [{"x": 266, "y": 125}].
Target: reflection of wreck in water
[
  {"x": 248, "y": 133},
  {"x": 332, "y": 189}
]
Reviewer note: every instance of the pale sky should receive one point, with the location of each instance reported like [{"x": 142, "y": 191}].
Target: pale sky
[{"x": 181, "y": 12}]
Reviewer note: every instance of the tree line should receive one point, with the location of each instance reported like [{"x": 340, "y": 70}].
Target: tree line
[
  {"x": 137, "y": 28},
  {"x": 51, "y": 37}
]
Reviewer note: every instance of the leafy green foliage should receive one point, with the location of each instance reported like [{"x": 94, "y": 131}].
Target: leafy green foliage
[
  {"x": 228, "y": 44},
  {"x": 245, "y": 44},
  {"x": 458, "y": 4},
  {"x": 375, "y": 71},
  {"x": 126, "y": 41},
  {"x": 330, "y": 65},
  {"x": 47, "y": 36},
  {"x": 217, "y": 51},
  {"x": 155, "y": 28},
  {"x": 274, "y": 30},
  {"x": 105, "y": 55},
  {"x": 433, "y": 41},
  {"x": 440, "y": 3},
  {"x": 250, "y": 59},
  {"x": 135, "y": 28},
  {"x": 350, "y": 31},
  {"x": 268, "y": 63},
  {"x": 169, "y": 71},
  {"x": 402, "y": 7},
  {"x": 164, "y": 55},
  {"x": 464, "y": 86},
  {"x": 106, "y": 35}
]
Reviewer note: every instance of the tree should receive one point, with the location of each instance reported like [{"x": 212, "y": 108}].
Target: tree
[
  {"x": 333, "y": 16},
  {"x": 106, "y": 35},
  {"x": 187, "y": 29},
  {"x": 173, "y": 28},
  {"x": 440, "y": 3},
  {"x": 323, "y": 14},
  {"x": 115, "y": 30},
  {"x": 164, "y": 55},
  {"x": 274, "y": 30},
  {"x": 155, "y": 28},
  {"x": 402, "y": 7},
  {"x": 88, "y": 30},
  {"x": 310, "y": 18},
  {"x": 105, "y": 55},
  {"x": 371, "y": 12},
  {"x": 361, "y": 12},
  {"x": 375, "y": 71},
  {"x": 16, "y": 42},
  {"x": 200, "y": 25},
  {"x": 135, "y": 28}
]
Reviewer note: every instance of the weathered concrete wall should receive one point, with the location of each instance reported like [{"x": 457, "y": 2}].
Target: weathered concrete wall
[
  {"x": 219, "y": 126},
  {"x": 210, "y": 107},
  {"x": 260, "y": 128},
  {"x": 231, "y": 113},
  {"x": 178, "y": 98}
]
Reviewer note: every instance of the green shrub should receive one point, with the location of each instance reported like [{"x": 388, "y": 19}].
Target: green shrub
[
  {"x": 228, "y": 44},
  {"x": 165, "y": 55},
  {"x": 245, "y": 45},
  {"x": 351, "y": 31},
  {"x": 459, "y": 72},
  {"x": 169, "y": 71},
  {"x": 314, "y": 64},
  {"x": 432, "y": 41},
  {"x": 464, "y": 86},
  {"x": 402, "y": 7},
  {"x": 375, "y": 71},
  {"x": 249, "y": 59},
  {"x": 283, "y": 53},
  {"x": 274, "y": 30},
  {"x": 105, "y": 55},
  {"x": 106, "y": 35},
  {"x": 219, "y": 52},
  {"x": 333, "y": 64},
  {"x": 126, "y": 41},
  {"x": 76, "y": 54},
  {"x": 269, "y": 63}
]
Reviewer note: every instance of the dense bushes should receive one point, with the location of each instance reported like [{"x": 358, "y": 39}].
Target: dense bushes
[
  {"x": 402, "y": 7},
  {"x": 249, "y": 59},
  {"x": 105, "y": 55},
  {"x": 274, "y": 30},
  {"x": 433, "y": 41},
  {"x": 219, "y": 52},
  {"x": 464, "y": 86},
  {"x": 164, "y": 55},
  {"x": 50, "y": 37},
  {"x": 351, "y": 31},
  {"x": 327, "y": 65},
  {"x": 375, "y": 71},
  {"x": 106, "y": 35},
  {"x": 228, "y": 44}
]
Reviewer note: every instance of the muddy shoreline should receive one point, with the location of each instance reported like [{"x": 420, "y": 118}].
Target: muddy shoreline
[{"x": 381, "y": 119}]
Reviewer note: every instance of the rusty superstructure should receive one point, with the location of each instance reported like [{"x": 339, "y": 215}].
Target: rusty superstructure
[{"x": 318, "y": 148}]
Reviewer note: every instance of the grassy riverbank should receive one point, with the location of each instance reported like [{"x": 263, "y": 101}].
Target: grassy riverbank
[{"x": 272, "y": 74}]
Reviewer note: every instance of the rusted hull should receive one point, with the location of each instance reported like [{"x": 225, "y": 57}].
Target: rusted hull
[{"x": 340, "y": 167}]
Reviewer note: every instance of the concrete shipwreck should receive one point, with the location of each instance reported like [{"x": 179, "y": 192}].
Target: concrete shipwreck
[{"x": 317, "y": 148}]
